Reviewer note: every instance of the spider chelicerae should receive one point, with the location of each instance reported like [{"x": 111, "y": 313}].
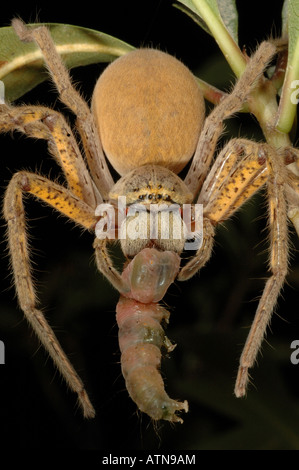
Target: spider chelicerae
[{"x": 147, "y": 118}]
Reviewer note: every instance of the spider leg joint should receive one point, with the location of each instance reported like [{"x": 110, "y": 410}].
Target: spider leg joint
[{"x": 22, "y": 30}]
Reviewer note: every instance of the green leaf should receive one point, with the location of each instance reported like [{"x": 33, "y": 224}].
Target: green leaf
[
  {"x": 289, "y": 95},
  {"x": 22, "y": 66},
  {"x": 188, "y": 8},
  {"x": 220, "y": 19},
  {"x": 229, "y": 14},
  {"x": 223, "y": 10},
  {"x": 284, "y": 18}
]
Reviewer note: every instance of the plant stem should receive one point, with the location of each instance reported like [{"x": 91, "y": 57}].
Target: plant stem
[
  {"x": 228, "y": 46},
  {"x": 262, "y": 103}
]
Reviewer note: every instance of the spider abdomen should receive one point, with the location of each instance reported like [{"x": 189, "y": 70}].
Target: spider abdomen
[{"x": 149, "y": 109}]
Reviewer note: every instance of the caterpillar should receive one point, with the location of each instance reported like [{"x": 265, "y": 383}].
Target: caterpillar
[{"x": 141, "y": 336}]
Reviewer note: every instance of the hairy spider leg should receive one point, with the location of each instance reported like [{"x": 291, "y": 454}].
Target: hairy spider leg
[
  {"x": 62, "y": 200},
  {"x": 231, "y": 104},
  {"x": 70, "y": 96},
  {"x": 105, "y": 266},
  {"x": 278, "y": 265},
  {"x": 221, "y": 193},
  {"x": 224, "y": 192},
  {"x": 44, "y": 123}
]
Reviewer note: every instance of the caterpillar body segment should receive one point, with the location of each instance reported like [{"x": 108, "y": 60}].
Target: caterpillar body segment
[
  {"x": 150, "y": 274},
  {"x": 141, "y": 335}
]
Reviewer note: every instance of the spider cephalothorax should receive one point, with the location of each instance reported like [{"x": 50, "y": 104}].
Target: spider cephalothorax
[
  {"x": 153, "y": 195},
  {"x": 147, "y": 117}
]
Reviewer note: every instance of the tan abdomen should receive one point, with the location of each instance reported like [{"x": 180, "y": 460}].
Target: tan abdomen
[{"x": 149, "y": 109}]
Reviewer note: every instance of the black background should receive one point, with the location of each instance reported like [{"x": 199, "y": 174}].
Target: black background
[{"x": 210, "y": 314}]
